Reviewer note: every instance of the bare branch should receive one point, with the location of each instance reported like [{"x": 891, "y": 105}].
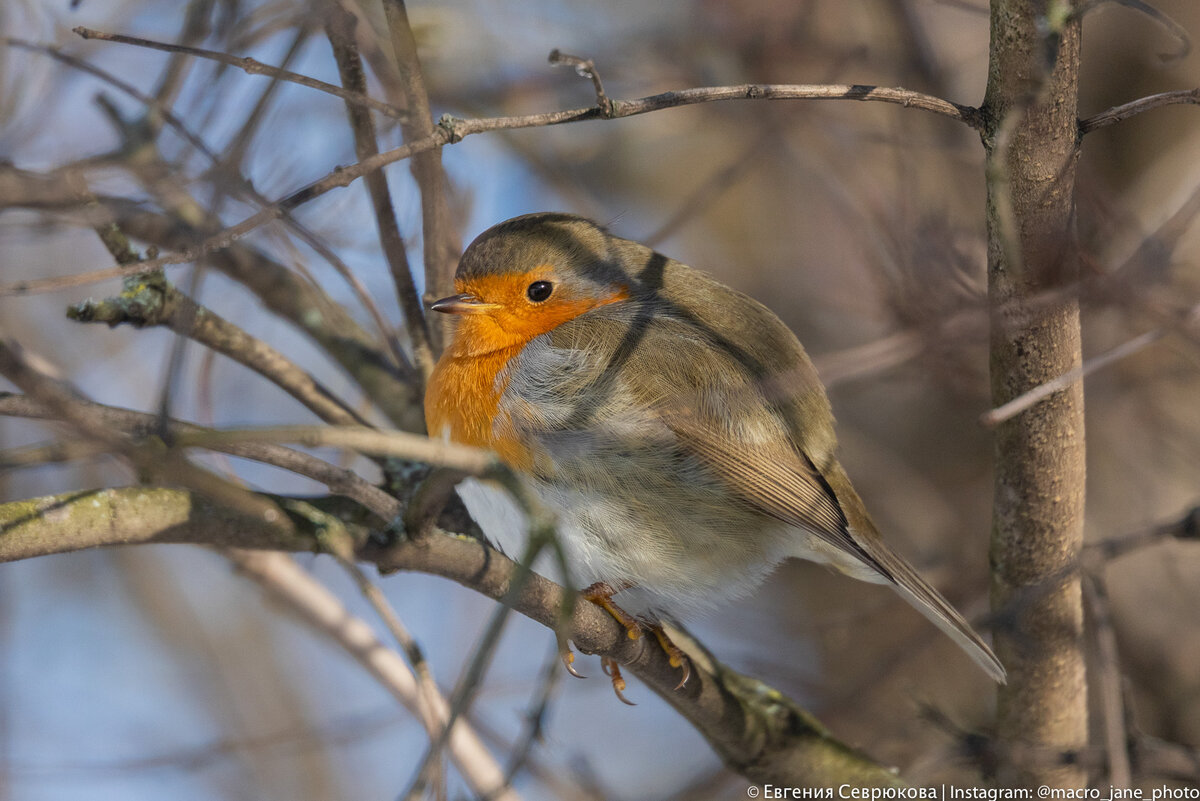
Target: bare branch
[
  {"x": 1108, "y": 679},
  {"x": 451, "y": 131},
  {"x": 1135, "y": 107},
  {"x": 251, "y": 67},
  {"x": 1171, "y": 26},
  {"x": 73, "y": 521},
  {"x": 1186, "y": 527},
  {"x": 1024, "y": 401},
  {"x": 148, "y": 456},
  {"x": 340, "y": 29},
  {"x": 243, "y": 186},
  {"x": 1040, "y": 468},
  {"x": 151, "y": 301},
  {"x": 757, "y": 731},
  {"x": 307, "y": 307},
  {"x": 586, "y": 69},
  {"x": 139, "y": 425},
  {"x": 439, "y": 234},
  {"x": 158, "y": 106},
  {"x": 464, "y": 458}
]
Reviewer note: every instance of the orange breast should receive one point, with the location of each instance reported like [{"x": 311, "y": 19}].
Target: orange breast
[{"x": 463, "y": 399}]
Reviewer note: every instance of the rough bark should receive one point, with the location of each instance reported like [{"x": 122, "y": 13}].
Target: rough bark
[{"x": 1031, "y": 135}]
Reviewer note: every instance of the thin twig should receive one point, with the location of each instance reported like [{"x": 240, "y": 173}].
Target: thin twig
[
  {"x": 250, "y": 66},
  {"x": 440, "y": 241},
  {"x": 1028, "y": 399},
  {"x": 469, "y": 460},
  {"x": 1185, "y": 527},
  {"x": 535, "y": 716},
  {"x": 1135, "y": 107},
  {"x": 711, "y": 189},
  {"x": 1107, "y": 674},
  {"x": 1171, "y": 26},
  {"x": 585, "y": 68},
  {"x": 306, "y": 306}
]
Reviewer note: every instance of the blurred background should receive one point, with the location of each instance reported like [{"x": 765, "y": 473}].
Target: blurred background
[{"x": 157, "y": 672}]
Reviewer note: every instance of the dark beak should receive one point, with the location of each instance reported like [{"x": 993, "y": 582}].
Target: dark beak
[{"x": 462, "y": 304}]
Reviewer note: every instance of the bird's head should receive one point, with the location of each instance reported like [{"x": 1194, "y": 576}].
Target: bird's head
[{"x": 528, "y": 275}]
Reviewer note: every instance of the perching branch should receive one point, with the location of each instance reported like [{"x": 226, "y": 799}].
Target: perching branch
[{"x": 757, "y": 731}]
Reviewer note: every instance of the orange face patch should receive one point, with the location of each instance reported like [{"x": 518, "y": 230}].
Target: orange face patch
[{"x": 517, "y": 319}]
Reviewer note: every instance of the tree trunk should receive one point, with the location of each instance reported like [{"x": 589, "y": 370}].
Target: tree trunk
[{"x": 1032, "y": 139}]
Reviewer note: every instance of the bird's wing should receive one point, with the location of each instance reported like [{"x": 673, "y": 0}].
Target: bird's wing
[
  {"x": 687, "y": 391},
  {"x": 616, "y": 374},
  {"x": 788, "y": 487}
]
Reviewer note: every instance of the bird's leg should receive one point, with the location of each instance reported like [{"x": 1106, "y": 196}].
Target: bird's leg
[
  {"x": 675, "y": 655},
  {"x": 601, "y": 594}
]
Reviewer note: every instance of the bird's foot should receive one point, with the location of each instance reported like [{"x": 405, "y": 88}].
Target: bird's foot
[
  {"x": 613, "y": 671},
  {"x": 568, "y": 660},
  {"x": 675, "y": 655},
  {"x": 601, "y": 594}
]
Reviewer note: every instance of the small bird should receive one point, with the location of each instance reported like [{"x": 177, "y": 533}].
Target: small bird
[{"x": 675, "y": 426}]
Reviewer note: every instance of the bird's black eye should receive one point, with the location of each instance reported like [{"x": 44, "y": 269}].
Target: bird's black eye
[{"x": 539, "y": 291}]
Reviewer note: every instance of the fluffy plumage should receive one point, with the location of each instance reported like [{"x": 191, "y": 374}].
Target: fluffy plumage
[{"x": 675, "y": 425}]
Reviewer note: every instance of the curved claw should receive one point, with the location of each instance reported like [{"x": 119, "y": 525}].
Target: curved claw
[
  {"x": 622, "y": 698},
  {"x": 686, "y": 667},
  {"x": 613, "y": 670},
  {"x": 568, "y": 660},
  {"x": 675, "y": 655}
]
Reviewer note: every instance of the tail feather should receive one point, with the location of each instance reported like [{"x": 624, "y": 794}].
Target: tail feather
[
  {"x": 938, "y": 610},
  {"x": 906, "y": 581}
]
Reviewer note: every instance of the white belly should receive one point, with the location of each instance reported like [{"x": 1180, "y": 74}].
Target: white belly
[{"x": 682, "y": 586}]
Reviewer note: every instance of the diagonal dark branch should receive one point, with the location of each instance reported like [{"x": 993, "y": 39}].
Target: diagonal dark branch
[
  {"x": 340, "y": 30},
  {"x": 439, "y": 234},
  {"x": 151, "y": 301}
]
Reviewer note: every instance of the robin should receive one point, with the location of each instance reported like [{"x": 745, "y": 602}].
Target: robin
[{"x": 675, "y": 426}]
